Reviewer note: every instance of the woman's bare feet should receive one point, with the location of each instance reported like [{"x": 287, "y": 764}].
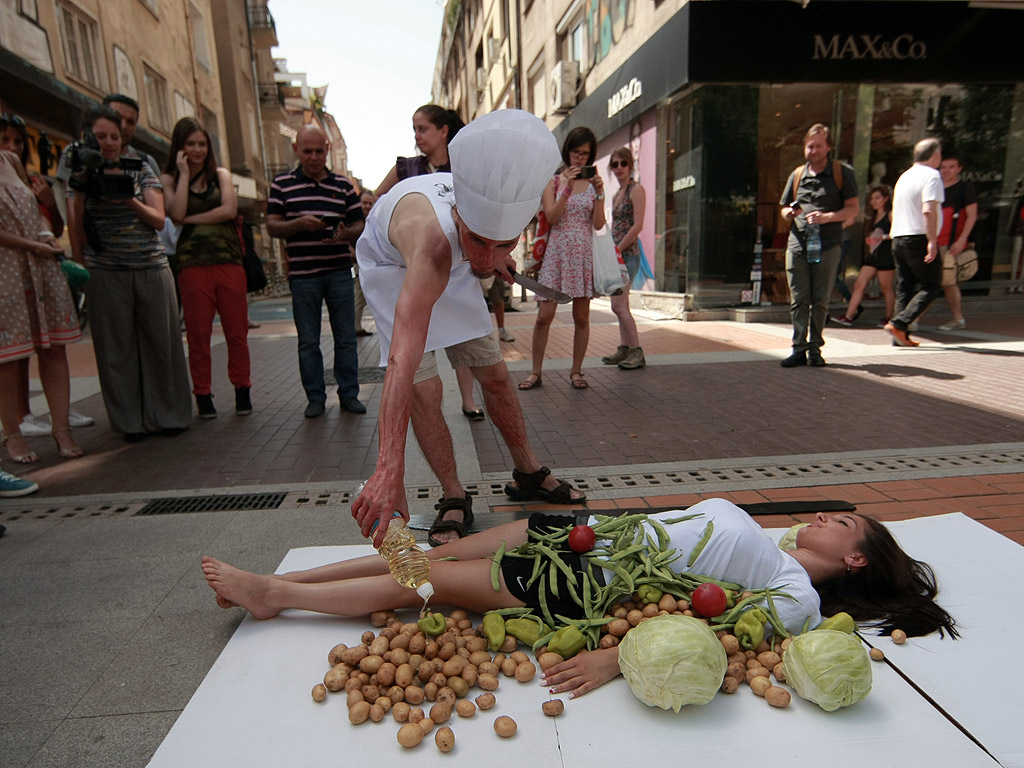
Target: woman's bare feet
[{"x": 235, "y": 587}]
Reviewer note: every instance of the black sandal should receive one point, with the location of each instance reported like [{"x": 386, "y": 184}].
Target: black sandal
[
  {"x": 459, "y": 526},
  {"x": 476, "y": 415},
  {"x": 528, "y": 488}
]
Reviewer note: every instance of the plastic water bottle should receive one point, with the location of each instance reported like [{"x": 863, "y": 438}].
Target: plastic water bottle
[
  {"x": 408, "y": 563},
  {"x": 813, "y": 243}
]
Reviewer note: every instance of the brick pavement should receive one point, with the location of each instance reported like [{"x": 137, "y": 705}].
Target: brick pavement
[{"x": 712, "y": 390}]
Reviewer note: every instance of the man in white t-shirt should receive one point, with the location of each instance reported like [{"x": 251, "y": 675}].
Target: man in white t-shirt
[{"x": 916, "y": 221}]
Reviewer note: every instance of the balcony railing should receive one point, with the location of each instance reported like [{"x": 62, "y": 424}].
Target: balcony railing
[
  {"x": 262, "y": 27},
  {"x": 270, "y": 94}
]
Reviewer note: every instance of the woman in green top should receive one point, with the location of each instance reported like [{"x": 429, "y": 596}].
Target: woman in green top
[{"x": 201, "y": 199}]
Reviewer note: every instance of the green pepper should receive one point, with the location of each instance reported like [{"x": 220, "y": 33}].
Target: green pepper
[
  {"x": 526, "y": 629},
  {"x": 749, "y": 629},
  {"x": 730, "y": 598},
  {"x": 567, "y": 642},
  {"x": 841, "y": 622},
  {"x": 649, "y": 593},
  {"x": 432, "y": 624},
  {"x": 494, "y": 630}
]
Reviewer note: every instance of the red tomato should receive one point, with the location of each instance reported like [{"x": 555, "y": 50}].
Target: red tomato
[
  {"x": 581, "y": 538},
  {"x": 708, "y": 600}
]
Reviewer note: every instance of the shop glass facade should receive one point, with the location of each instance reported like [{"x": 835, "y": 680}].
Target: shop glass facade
[{"x": 728, "y": 150}]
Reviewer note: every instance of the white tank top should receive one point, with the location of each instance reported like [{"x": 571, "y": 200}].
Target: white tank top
[{"x": 460, "y": 314}]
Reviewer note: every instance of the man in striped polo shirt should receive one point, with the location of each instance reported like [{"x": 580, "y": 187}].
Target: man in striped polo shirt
[{"x": 318, "y": 214}]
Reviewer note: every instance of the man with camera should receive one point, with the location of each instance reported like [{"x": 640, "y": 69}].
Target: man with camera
[{"x": 318, "y": 215}]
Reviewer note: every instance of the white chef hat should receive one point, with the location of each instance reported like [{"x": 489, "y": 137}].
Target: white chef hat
[{"x": 500, "y": 164}]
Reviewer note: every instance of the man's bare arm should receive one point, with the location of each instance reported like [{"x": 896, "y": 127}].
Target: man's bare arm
[
  {"x": 931, "y": 221},
  {"x": 417, "y": 235}
]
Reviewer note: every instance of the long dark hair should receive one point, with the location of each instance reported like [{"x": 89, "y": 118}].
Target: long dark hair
[
  {"x": 182, "y": 130},
  {"x": 577, "y": 138},
  {"x": 16, "y": 123},
  {"x": 893, "y": 591},
  {"x": 442, "y": 117},
  {"x": 886, "y": 192}
]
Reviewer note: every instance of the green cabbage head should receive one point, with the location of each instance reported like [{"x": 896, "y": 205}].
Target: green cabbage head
[
  {"x": 671, "y": 660},
  {"x": 830, "y": 668}
]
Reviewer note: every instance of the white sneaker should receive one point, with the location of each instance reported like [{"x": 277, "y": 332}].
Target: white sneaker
[
  {"x": 76, "y": 419},
  {"x": 505, "y": 335},
  {"x": 35, "y": 426},
  {"x": 953, "y": 325}
]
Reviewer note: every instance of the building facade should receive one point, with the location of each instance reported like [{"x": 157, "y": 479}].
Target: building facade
[{"x": 714, "y": 97}]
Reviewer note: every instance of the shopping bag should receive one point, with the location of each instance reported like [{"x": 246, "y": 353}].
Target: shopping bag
[
  {"x": 644, "y": 273},
  {"x": 610, "y": 273}
]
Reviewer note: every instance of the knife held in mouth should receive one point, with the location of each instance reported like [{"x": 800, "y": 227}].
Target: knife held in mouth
[{"x": 541, "y": 290}]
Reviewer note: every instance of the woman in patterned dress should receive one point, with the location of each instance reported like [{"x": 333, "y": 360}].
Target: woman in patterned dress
[
  {"x": 37, "y": 314},
  {"x": 574, "y": 208},
  {"x": 627, "y": 221}
]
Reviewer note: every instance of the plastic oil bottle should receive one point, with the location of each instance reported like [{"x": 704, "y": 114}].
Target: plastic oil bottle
[{"x": 408, "y": 563}]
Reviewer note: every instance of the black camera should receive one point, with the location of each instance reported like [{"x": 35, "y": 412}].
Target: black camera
[
  {"x": 96, "y": 176},
  {"x": 588, "y": 171}
]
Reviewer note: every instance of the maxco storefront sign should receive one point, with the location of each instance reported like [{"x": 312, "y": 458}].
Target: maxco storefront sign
[
  {"x": 625, "y": 96},
  {"x": 858, "y": 47}
]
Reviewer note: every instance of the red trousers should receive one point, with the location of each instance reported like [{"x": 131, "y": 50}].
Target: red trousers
[{"x": 206, "y": 291}]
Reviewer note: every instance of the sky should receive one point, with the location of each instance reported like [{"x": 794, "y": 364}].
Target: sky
[{"x": 378, "y": 58}]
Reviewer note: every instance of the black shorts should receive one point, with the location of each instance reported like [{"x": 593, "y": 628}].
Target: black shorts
[{"x": 517, "y": 572}]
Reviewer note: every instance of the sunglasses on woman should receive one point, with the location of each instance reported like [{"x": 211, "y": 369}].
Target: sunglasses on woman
[{"x": 618, "y": 164}]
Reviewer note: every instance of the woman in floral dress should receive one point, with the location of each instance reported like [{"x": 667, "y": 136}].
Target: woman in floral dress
[{"x": 574, "y": 207}]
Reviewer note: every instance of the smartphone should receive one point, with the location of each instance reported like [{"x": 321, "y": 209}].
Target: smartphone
[
  {"x": 587, "y": 172},
  {"x": 332, "y": 223}
]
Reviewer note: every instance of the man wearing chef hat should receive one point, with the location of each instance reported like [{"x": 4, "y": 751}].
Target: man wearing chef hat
[{"x": 424, "y": 245}]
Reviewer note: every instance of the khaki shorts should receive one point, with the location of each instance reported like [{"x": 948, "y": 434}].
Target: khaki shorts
[{"x": 475, "y": 353}]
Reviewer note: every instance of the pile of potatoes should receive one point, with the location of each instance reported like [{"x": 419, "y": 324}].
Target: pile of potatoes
[{"x": 422, "y": 681}]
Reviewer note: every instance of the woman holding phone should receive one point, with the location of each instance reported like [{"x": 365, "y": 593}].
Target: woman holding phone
[
  {"x": 201, "y": 199},
  {"x": 573, "y": 203}
]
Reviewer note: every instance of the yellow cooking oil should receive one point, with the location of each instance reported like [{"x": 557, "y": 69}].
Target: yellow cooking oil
[{"x": 408, "y": 563}]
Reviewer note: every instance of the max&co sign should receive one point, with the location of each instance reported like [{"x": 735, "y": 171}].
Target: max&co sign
[
  {"x": 858, "y": 47},
  {"x": 625, "y": 96}
]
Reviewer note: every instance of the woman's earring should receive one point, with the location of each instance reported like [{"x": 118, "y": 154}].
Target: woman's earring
[{"x": 848, "y": 569}]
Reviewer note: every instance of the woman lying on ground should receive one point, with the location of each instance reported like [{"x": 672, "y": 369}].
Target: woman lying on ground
[{"x": 842, "y": 562}]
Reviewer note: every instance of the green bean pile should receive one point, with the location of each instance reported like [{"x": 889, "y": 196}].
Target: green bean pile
[{"x": 635, "y": 558}]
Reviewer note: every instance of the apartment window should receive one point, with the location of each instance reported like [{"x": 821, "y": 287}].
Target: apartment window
[
  {"x": 199, "y": 40},
  {"x": 29, "y": 9},
  {"x": 574, "y": 42},
  {"x": 79, "y": 36},
  {"x": 158, "y": 107},
  {"x": 182, "y": 106}
]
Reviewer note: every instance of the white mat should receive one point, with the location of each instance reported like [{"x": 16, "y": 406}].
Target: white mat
[{"x": 254, "y": 707}]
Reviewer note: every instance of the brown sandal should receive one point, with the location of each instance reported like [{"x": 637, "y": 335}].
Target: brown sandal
[
  {"x": 528, "y": 488},
  {"x": 577, "y": 380},
  {"x": 531, "y": 382},
  {"x": 440, "y": 524}
]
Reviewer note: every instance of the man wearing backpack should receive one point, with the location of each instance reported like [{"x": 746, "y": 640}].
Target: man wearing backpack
[{"x": 818, "y": 197}]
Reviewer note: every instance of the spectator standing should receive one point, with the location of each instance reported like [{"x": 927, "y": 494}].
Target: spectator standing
[
  {"x": 959, "y": 214},
  {"x": 574, "y": 208},
  {"x": 201, "y": 200},
  {"x": 916, "y": 222},
  {"x": 133, "y": 311},
  {"x": 14, "y": 138},
  {"x": 317, "y": 213},
  {"x": 877, "y": 262},
  {"x": 627, "y": 221},
  {"x": 818, "y": 197},
  {"x": 37, "y": 314}
]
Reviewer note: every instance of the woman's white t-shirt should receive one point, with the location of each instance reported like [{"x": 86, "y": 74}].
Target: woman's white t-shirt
[{"x": 739, "y": 551}]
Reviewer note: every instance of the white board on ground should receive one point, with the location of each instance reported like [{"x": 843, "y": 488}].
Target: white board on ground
[
  {"x": 254, "y": 707},
  {"x": 977, "y": 570}
]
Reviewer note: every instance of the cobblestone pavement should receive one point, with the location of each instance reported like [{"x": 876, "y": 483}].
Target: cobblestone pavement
[{"x": 712, "y": 392}]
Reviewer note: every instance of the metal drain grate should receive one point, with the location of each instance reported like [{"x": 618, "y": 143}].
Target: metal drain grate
[{"x": 224, "y": 503}]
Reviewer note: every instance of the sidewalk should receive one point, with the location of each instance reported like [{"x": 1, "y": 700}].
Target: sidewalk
[{"x": 109, "y": 629}]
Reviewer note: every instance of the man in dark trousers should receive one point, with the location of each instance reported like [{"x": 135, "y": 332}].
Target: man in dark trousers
[
  {"x": 818, "y": 197},
  {"x": 318, "y": 214}
]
